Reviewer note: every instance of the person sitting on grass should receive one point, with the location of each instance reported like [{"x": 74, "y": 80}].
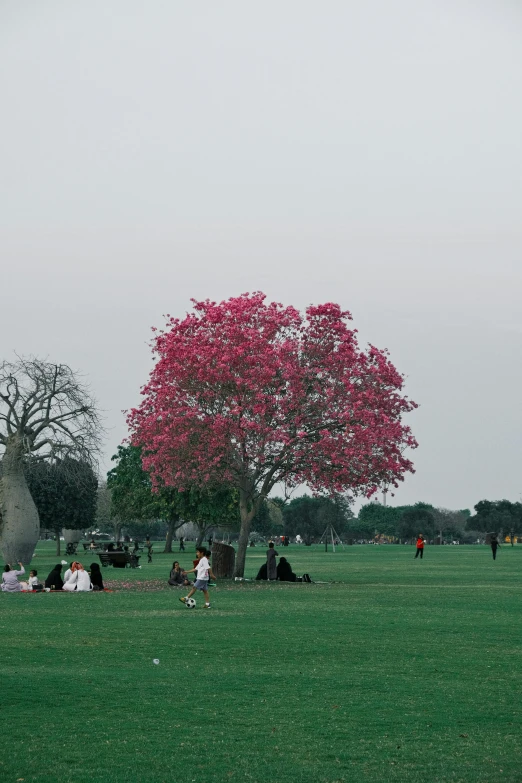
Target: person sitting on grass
[
  {"x": 10, "y": 583},
  {"x": 284, "y": 571},
  {"x": 177, "y": 578},
  {"x": 79, "y": 580},
  {"x": 33, "y": 578},
  {"x": 203, "y": 570},
  {"x": 54, "y": 581},
  {"x": 68, "y": 573},
  {"x": 96, "y": 577},
  {"x": 262, "y": 574},
  {"x": 32, "y": 582}
]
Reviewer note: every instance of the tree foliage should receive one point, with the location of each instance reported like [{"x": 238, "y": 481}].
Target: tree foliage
[
  {"x": 496, "y": 515},
  {"x": 65, "y": 493},
  {"x": 134, "y": 499},
  {"x": 309, "y": 516},
  {"x": 268, "y": 520},
  {"x": 254, "y": 394},
  {"x": 406, "y": 522}
]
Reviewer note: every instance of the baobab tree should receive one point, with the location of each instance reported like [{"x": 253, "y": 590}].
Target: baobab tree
[
  {"x": 46, "y": 413},
  {"x": 255, "y": 394}
]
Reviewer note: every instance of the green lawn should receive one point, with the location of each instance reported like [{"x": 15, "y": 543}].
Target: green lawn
[{"x": 397, "y": 670}]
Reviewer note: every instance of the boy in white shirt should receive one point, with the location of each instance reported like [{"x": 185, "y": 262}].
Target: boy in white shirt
[{"x": 203, "y": 570}]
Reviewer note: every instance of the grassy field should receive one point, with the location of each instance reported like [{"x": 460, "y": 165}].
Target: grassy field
[{"x": 396, "y": 670}]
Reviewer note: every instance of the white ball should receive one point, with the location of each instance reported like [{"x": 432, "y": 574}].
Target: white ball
[
  {"x": 190, "y": 603},
  {"x": 155, "y": 660}
]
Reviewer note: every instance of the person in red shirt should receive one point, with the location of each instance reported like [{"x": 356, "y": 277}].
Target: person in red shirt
[{"x": 420, "y": 547}]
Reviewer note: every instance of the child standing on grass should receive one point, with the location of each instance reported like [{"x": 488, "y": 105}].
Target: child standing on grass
[
  {"x": 420, "y": 546},
  {"x": 203, "y": 571}
]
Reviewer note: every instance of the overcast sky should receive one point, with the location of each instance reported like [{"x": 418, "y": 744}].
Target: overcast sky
[{"x": 366, "y": 152}]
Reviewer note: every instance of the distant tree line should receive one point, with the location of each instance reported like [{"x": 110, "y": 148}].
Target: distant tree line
[{"x": 68, "y": 495}]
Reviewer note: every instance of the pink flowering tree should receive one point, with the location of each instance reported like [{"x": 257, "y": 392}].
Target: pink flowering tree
[{"x": 254, "y": 394}]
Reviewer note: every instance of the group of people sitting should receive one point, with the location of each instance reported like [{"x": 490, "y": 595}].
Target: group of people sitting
[
  {"x": 272, "y": 570},
  {"x": 283, "y": 572},
  {"x": 76, "y": 578}
]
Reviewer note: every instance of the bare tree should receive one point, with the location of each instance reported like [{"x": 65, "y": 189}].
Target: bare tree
[{"x": 46, "y": 413}]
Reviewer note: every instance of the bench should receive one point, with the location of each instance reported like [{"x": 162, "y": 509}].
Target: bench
[
  {"x": 104, "y": 559},
  {"x": 119, "y": 559}
]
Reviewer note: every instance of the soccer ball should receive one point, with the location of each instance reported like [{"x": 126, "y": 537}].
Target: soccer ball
[{"x": 190, "y": 603}]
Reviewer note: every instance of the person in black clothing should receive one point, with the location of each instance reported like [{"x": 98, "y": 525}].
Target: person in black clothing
[
  {"x": 96, "y": 577},
  {"x": 54, "y": 580},
  {"x": 181, "y": 544},
  {"x": 494, "y": 545},
  {"x": 263, "y": 572},
  {"x": 284, "y": 571},
  {"x": 148, "y": 547}
]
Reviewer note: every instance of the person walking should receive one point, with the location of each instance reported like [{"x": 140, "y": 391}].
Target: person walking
[
  {"x": 271, "y": 564},
  {"x": 494, "y": 545},
  {"x": 181, "y": 544},
  {"x": 420, "y": 547},
  {"x": 148, "y": 547}
]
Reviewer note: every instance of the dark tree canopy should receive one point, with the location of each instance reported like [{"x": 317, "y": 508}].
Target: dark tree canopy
[
  {"x": 268, "y": 520},
  {"x": 134, "y": 499},
  {"x": 496, "y": 515},
  {"x": 310, "y": 516},
  {"x": 406, "y": 522},
  {"x": 65, "y": 493}
]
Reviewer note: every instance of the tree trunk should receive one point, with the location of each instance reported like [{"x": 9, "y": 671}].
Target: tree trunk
[
  {"x": 223, "y": 558},
  {"x": 247, "y": 511},
  {"x": 171, "y": 527},
  {"x": 20, "y": 522},
  {"x": 201, "y": 535}
]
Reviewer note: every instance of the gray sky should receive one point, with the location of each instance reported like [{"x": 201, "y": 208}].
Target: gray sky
[{"x": 366, "y": 152}]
